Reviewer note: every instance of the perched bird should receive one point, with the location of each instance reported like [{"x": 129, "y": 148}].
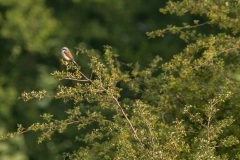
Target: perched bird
[{"x": 67, "y": 55}]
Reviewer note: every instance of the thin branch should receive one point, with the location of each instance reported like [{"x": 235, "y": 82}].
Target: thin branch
[
  {"x": 125, "y": 115},
  {"x": 208, "y": 129},
  {"x": 119, "y": 105},
  {"x": 168, "y": 30},
  {"x": 76, "y": 80},
  {"x": 195, "y": 26},
  {"x": 85, "y": 76},
  {"x": 229, "y": 49}
]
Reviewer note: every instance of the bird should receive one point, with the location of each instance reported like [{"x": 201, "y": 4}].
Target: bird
[{"x": 67, "y": 55}]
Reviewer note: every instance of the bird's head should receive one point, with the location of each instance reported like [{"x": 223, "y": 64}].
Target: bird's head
[{"x": 65, "y": 49}]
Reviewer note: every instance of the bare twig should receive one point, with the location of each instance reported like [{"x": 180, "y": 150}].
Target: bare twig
[
  {"x": 73, "y": 79},
  {"x": 119, "y": 105}
]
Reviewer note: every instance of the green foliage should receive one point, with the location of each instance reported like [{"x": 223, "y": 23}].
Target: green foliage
[
  {"x": 187, "y": 108},
  {"x": 29, "y": 35}
]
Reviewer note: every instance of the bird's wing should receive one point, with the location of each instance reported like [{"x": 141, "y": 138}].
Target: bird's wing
[{"x": 69, "y": 55}]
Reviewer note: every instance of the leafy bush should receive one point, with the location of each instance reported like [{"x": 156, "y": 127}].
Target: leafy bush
[{"x": 186, "y": 108}]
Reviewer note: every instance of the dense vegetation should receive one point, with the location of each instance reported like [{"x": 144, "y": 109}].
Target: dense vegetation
[{"x": 173, "y": 94}]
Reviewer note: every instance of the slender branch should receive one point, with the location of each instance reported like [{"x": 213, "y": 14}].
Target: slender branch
[
  {"x": 208, "y": 129},
  {"x": 125, "y": 115},
  {"x": 119, "y": 105},
  {"x": 85, "y": 76},
  {"x": 187, "y": 27},
  {"x": 229, "y": 49},
  {"x": 76, "y": 80},
  {"x": 195, "y": 26}
]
